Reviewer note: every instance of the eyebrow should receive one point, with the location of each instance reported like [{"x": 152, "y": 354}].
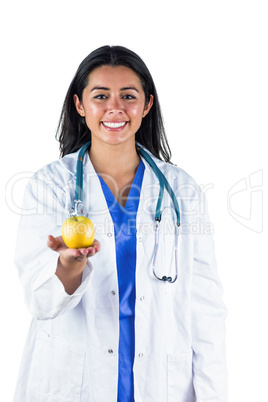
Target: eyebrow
[{"x": 107, "y": 89}]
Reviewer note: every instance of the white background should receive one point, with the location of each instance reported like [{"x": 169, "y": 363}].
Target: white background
[{"x": 209, "y": 63}]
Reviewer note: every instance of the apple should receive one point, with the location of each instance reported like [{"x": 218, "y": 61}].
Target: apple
[{"x": 78, "y": 232}]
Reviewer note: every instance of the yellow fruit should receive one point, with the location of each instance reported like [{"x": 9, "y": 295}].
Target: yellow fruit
[{"x": 78, "y": 232}]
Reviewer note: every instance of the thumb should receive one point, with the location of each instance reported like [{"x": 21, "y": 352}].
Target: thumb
[{"x": 52, "y": 242}]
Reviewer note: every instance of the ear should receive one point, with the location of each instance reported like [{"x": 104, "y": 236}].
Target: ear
[
  {"x": 78, "y": 105},
  {"x": 148, "y": 106}
]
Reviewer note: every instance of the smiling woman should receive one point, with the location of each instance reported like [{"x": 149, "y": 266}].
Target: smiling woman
[
  {"x": 73, "y": 132},
  {"x": 138, "y": 315}
]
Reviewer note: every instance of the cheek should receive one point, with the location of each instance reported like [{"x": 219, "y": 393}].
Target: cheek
[
  {"x": 93, "y": 114},
  {"x": 136, "y": 111},
  {"x": 93, "y": 111}
]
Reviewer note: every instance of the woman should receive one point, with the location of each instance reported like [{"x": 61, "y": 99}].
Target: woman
[{"x": 104, "y": 327}]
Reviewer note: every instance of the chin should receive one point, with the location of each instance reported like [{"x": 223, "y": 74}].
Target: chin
[{"x": 116, "y": 139}]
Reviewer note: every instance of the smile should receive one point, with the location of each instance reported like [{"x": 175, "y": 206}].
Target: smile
[{"x": 114, "y": 124}]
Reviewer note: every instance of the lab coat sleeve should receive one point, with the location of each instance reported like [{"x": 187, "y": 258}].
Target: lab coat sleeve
[
  {"x": 208, "y": 314},
  {"x": 42, "y": 214}
]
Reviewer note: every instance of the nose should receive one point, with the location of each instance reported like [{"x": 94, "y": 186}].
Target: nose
[{"x": 115, "y": 105}]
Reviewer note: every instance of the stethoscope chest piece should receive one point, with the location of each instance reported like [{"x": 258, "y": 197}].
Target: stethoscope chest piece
[{"x": 79, "y": 209}]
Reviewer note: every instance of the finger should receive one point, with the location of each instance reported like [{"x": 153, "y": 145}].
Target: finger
[
  {"x": 87, "y": 252},
  {"x": 51, "y": 242},
  {"x": 71, "y": 254},
  {"x": 55, "y": 243},
  {"x": 96, "y": 245},
  {"x": 94, "y": 248}
]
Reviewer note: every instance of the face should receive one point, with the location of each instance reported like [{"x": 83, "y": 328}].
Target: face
[{"x": 113, "y": 104}]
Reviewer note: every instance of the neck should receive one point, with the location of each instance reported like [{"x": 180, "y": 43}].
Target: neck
[{"x": 115, "y": 160}]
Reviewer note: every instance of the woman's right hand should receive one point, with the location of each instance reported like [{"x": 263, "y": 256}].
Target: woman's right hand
[
  {"x": 72, "y": 254},
  {"x": 71, "y": 262}
]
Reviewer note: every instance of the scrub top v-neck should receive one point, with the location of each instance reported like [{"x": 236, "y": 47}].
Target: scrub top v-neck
[{"x": 124, "y": 220}]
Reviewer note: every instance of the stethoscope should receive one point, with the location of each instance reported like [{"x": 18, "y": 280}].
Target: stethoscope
[{"x": 80, "y": 207}]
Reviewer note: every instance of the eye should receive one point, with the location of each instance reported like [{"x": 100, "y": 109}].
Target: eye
[
  {"x": 101, "y": 96},
  {"x": 129, "y": 97}
]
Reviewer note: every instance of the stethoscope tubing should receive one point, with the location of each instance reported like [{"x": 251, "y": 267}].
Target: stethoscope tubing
[
  {"x": 79, "y": 172},
  {"x": 163, "y": 183}
]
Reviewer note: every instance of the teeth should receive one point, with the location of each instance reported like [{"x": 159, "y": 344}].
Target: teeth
[{"x": 114, "y": 125}]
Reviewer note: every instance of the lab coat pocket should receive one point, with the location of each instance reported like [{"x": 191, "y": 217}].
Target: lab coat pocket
[
  {"x": 180, "y": 383},
  {"x": 56, "y": 370}
]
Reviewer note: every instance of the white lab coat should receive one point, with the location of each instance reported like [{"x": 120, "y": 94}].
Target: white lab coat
[{"x": 71, "y": 353}]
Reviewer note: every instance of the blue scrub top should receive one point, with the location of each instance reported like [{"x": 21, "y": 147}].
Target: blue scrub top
[{"x": 124, "y": 219}]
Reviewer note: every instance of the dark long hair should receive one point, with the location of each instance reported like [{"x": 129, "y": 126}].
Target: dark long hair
[{"x": 73, "y": 133}]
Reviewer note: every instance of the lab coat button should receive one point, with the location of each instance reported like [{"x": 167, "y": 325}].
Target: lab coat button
[
  {"x": 142, "y": 298},
  {"x": 109, "y": 234},
  {"x": 110, "y": 351},
  {"x": 113, "y": 292},
  {"x": 140, "y": 238},
  {"x": 140, "y": 354}
]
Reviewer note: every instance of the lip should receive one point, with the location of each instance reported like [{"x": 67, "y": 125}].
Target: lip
[{"x": 120, "y": 128}]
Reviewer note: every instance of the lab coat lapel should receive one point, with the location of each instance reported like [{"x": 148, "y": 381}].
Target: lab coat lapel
[
  {"x": 97, "y": 209},
  {"x": 146, "y": 228}
]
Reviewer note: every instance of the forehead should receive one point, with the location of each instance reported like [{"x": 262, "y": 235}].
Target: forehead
[{"x": 109, "y": 76}]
